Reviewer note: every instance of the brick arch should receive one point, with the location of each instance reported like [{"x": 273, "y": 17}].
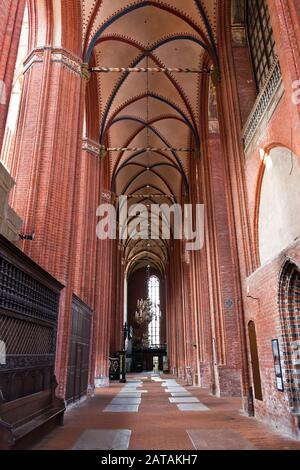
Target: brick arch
[
  {"x": 289, "y": 307},
  {"x": 260, "y": 175},
  {"x": 259, "y": 181}
]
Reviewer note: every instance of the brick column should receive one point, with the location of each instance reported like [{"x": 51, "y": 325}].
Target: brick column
[
  {"x": 118, "y": 277},
  {"x": 47, "y": 153},
  {"x": 87, "y": 199},
  {"x": 12, "y": 13},
  {"x": 242, "y": 247},
  {"x": 104, "y": 295},
  {"x": 228, "y": 337}
]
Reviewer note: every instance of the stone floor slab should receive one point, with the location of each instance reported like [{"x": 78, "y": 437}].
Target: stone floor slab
[
  {"x": 121, "y": 408},
  {"x": 218, "y": 439},
  {"x": 184, "y": 400},
  {"x": 129, "y": 394},
  {"x": 126, "y": 401},
  {"x": 103, "y": 439},
  {"x": 192, "y": 407},
  {"x": 175, "y": 389},
  {"x": 132, "y": 390},
  {"x": 181, "y": 394},
  {"x": 134, "y": 386}
]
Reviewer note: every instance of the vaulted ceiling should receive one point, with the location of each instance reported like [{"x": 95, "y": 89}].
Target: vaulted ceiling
[{"x": 154, "y": 109}]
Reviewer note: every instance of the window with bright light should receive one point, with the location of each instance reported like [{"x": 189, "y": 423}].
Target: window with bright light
[
  {"x": 154, "y": 296},
  {"x": 261, "y": 40}
]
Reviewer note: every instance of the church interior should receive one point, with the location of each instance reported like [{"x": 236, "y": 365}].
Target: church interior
[{"x": 133, "y": 337}]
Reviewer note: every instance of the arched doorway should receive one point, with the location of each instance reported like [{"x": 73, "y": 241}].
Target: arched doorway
[{"x": 255, "y": 361}]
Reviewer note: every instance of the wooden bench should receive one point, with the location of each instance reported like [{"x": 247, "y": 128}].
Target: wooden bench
[{"x": 29, "y": 417}]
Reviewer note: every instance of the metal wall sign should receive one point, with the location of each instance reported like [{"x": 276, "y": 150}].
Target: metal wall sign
[{"x": 277, "y": 365}]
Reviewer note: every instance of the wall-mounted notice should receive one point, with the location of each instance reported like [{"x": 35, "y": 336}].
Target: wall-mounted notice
[{"x": 277, "y": 365}]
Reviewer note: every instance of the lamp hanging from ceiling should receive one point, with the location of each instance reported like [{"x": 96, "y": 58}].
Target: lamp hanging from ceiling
[{"x": 145, "y": 310}]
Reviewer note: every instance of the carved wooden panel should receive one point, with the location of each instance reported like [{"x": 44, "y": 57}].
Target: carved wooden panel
[{"x": 29, "y": 300}]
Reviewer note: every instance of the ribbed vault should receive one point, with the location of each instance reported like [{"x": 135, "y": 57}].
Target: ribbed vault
[{"x": 157, "y": 110}]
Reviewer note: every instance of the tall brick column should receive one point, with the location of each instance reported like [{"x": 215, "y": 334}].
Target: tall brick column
[
  {"x": 48, "y": 147},
  {"x": 104, "y": 292},
  {"x": 242, "y": 246},
  {"x": 11, "y": 18}
]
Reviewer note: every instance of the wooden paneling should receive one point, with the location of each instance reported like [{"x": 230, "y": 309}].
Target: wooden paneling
[{"x": 79, "y": 351}]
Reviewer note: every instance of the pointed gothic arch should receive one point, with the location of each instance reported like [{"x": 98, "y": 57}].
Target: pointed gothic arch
[{"x": 289, "y": 308}]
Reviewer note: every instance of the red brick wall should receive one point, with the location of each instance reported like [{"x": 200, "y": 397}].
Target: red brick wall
[{"x": 261, "y": 283}]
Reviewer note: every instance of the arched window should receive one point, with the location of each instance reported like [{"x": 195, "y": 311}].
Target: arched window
[
  {"x": 154, "y": 296},
  {"x": 289, "y": 305},
  {"x": 261, "y": 41}
]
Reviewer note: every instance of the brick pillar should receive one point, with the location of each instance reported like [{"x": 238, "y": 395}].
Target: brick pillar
[
  {"x": 87, "y": 200},
  {"x": 188, "y": 319},
  {"x": 176, "y": 310},
  {"x": 195, "y": 322},
  {"x": 47, "y": 152},
  {"x": 104, "y": 295},
  {"x": 242, "y": 252},
  {"x": 118, "y": 304},
  {"x": 12, "y": 13},
  {"x": 228, "y": 338},
  {"x": 102, "y": 317},
  {"x": 208, "y": 377}
]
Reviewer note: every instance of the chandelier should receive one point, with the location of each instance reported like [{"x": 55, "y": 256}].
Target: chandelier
[{"x": 144, "y": 312}]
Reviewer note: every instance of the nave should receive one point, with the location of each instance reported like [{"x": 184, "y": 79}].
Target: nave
[{"x": 181, "y": 120}]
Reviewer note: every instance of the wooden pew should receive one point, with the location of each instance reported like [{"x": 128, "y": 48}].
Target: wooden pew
[{"x": 24, "y": 419}]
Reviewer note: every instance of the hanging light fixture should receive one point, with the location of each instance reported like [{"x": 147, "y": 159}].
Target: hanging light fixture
[{"x": 145, "y": 310}]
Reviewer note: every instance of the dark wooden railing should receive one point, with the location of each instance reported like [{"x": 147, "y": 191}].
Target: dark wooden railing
[{"x": 29, "y": 302}]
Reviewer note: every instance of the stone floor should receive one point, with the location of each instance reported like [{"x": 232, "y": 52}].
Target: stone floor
[{"x": 151, "y": 413}]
